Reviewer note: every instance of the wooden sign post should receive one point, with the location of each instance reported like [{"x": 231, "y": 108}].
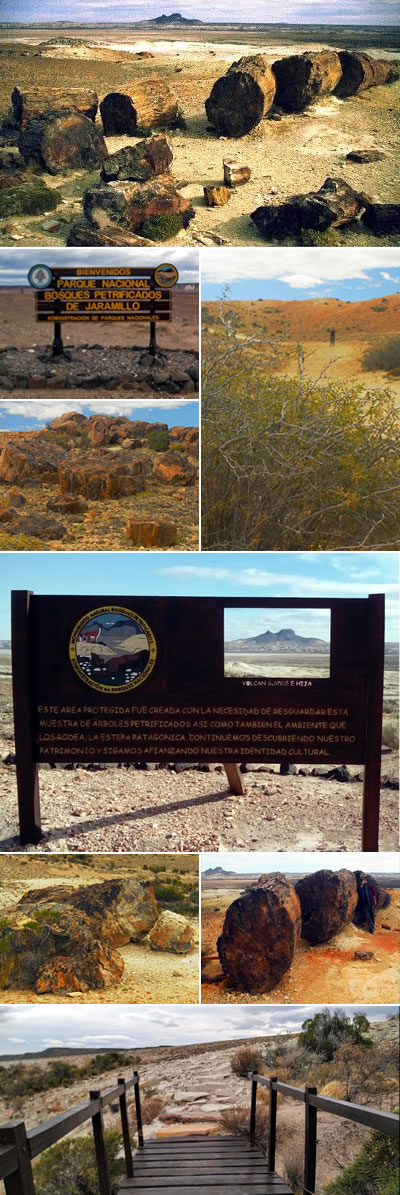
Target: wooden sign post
[
  {"x": 138, "y": 679},
  {"x": 103, "y": 294}
]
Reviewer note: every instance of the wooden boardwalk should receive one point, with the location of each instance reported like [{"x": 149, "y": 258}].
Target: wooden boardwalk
[{"x": 202, "y": 1164}]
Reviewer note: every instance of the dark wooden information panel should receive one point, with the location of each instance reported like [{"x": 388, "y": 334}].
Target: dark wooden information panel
[
  {"x": 136, "y": 679},
  {"x": 103, "y": 294}
]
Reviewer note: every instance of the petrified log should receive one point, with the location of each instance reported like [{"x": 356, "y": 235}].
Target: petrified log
[
  {"x": 302, "y": 78},
  {"x": 146, "y": 105},
  {"x": 59, "y": 949},
  {"x": 235, "y": 175},
  {"x": 335, "y": 203},
  {"x": 240, "y": 98},
  {"x": 382, "y": 218},
  {"x": 139, "y": 162},
  {"x": 328, "y": 900},
  {"x": 130, "y": 204},
  {"x": 86, "y": 234},
  {"x": 32, "y": 458},
  {"x": 172, "y": 932},
  {"x": 216, "y": 196},
  {"x": 61, "y": 141},
  {"x": 360, "y": 71},
  {"x": 147, "y": 533},
  {"x": 172, "y": 468},
  {"x": 119, "y": 911},
  {"x": 260, "y": 933},
  {"x": 35, "y": 101},
  {"x": 95, "y": 478}
]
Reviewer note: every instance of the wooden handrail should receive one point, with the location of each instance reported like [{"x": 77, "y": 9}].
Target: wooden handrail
[
  {"x": 375, "y": 1118},
  {"x": 15, "y": 1161}
]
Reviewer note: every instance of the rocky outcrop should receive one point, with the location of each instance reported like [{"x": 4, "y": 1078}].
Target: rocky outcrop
[
  {"x": 241, "y": 97},
  {"x": 328, "y": 900},
  {"x": 260, "y": 933},
  {"x": 31, "y": 458},
  {"x": 147, "y": 533},
  {"x": 119, "y": 911},
  {"x": 139, "y": 162},
  {"x": 174, "y": 469},
  {"x": 40, "y": 526},
  {"x": 93, "y": 477},
  {"x": 302, "y": 78},
  {"x": 171, "y": 932},
  {"x": 71, "y": 421},
  {"x": 62, "y": 141},
  {"x": 32, "y": 102},
  {"x": 335, "y": 204},
  {"x": 132, "y": 204}
]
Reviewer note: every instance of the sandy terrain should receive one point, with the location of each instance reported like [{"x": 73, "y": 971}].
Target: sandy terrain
[
  {"x": 198, "y": 1081},
  {"x": 325, "y": 974},
  {"x": 314, "y": 142},
  {"x": 149, "y": 977},
  {"x": 358, "y": 326},
  {"x": 18, "y": 325}
]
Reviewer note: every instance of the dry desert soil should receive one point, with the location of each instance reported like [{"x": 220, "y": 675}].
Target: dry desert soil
[
  {"x": 149, "y": 977},
  {"x": 324, "y": 974},
  {"x": 359, "y": 326},
  {"x": 295, "y": 154}
]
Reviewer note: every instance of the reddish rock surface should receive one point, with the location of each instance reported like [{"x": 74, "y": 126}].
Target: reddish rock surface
[
  {"x": 260, "y": 933},
  {"x": 171, "y": 932},
  {"x": 328, "y": 900},
  {"x": 130, "y": 204},
  {"x": 302, "y": 78},
  {"x": 173, "y": 469},
  {"x": 120, "y": 911},
  {"x": 31, "y": 458},
  {"x": 94, "y": 478},
  {"x": 147, "y": 534}
]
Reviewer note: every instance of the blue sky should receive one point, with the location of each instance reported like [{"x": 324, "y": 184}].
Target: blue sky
[
  {"x": 125, "y": 1028},
  {"x": 15, "y": 263},
  {"x": 258, "y": 863},
  {"x": 364, "y": 12},
  {"x": 251, "y": 574},
  {"x": 27, "y": 413},
  {"x": 244, "y": 623},
  {"x": 350, "y": 274}
]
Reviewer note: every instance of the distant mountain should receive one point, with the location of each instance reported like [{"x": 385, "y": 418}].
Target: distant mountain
[
  {"x": 218, "y": 871},
  {"x": 5, "y": 644},
  {"x": 278, "y": 641},
  {"x": 174, "y": 18}
]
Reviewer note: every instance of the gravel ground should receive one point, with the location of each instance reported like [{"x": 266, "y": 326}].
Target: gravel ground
[{"x": 128, "y": 810}]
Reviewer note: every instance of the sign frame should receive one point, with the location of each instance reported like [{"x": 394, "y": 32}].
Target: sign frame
[{"x": 367, "y": 611}]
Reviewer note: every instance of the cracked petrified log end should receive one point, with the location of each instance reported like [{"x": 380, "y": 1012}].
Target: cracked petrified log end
[
  {"x": 235, "y": 175},
  {"x": 260, "y": 933},
  {"x": 336, "y": 203},
  {"x": 328, "y": 901},
  {"x": 302, "y": 78},
  {"x": 242, "y": 97},
  {"x": 30, "y": 102},
  {"x": 149, "y": 104},
  {"x": 216, "y": 196},
  {"x": 139, "y": 162},
  {"x": 360, "y": 71},
  {"x": 144, "y": 533},
  {"x": 131, "y": 204},
  {"x": 62, "y": 141}
]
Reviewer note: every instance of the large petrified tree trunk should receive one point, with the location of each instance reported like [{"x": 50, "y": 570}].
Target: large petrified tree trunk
[
  {"x": 302, "y": 78},
  {"x": 61, "y": 141},
  {"x": 137, "y": 163},
  {"x": 84, "y": 234},
  {"x": 260, "y": 933},
  {"x": 360, "y": 71},
  {"x": 241, "y": 98},
  {"x": 139, "y": 107},
  {"x": 130, "y": 204},
  {"x": 328, "y": 900},
  {"x": 35, "y": 101},
  {"x": 333, "y": 205}
]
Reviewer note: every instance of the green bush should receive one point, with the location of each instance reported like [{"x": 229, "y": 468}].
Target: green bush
[
  {"x": 158, "y": 440},
  {"x": 330, "y": 236},
  {"x": 162, "y": 228},
  {"x": 375, "y": 1170},
  {"x": 326, "y": 1031},
  {"x": 69, "y": 1168},
  {"x": 385, "y": 355},
  {"x": 28, "y": 199}
]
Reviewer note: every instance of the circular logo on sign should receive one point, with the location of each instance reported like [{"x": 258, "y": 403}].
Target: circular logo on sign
[
  {"x": 40, "y": 277},
  {"x": 112, "y": 649},
  {"x": 166, "y": 276}
]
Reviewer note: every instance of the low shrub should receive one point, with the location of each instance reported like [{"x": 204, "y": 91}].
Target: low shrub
[
  {"x": 236, "y": 1120},
  {"x": 390, "y": 733},
  {"x": 375, "y": 1170},
  {"x": 293, "y": 1160},
  {"x": 384, "y": 355},
  {"x": 28, "y": 199},
  {"x": 245, "y": 1059},
  {"x": 158, "y": 440},
  {"x": 151, "y": 1107},
  {"x": 70, "y": 1167},
  {"x": 162, "y": 228}
]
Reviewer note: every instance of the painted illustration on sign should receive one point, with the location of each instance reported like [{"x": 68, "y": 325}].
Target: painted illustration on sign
[
  {"x": 112, "y": 649},
  {"x": 277, "y": 643}
]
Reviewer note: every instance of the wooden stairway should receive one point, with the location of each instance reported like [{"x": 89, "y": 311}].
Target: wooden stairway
[{"x": 202, "y": 1164}]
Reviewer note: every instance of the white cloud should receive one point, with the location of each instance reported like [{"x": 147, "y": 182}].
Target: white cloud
[
  {"x": 312, "y": 266},
  {"x": 48, "y": 408}
]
